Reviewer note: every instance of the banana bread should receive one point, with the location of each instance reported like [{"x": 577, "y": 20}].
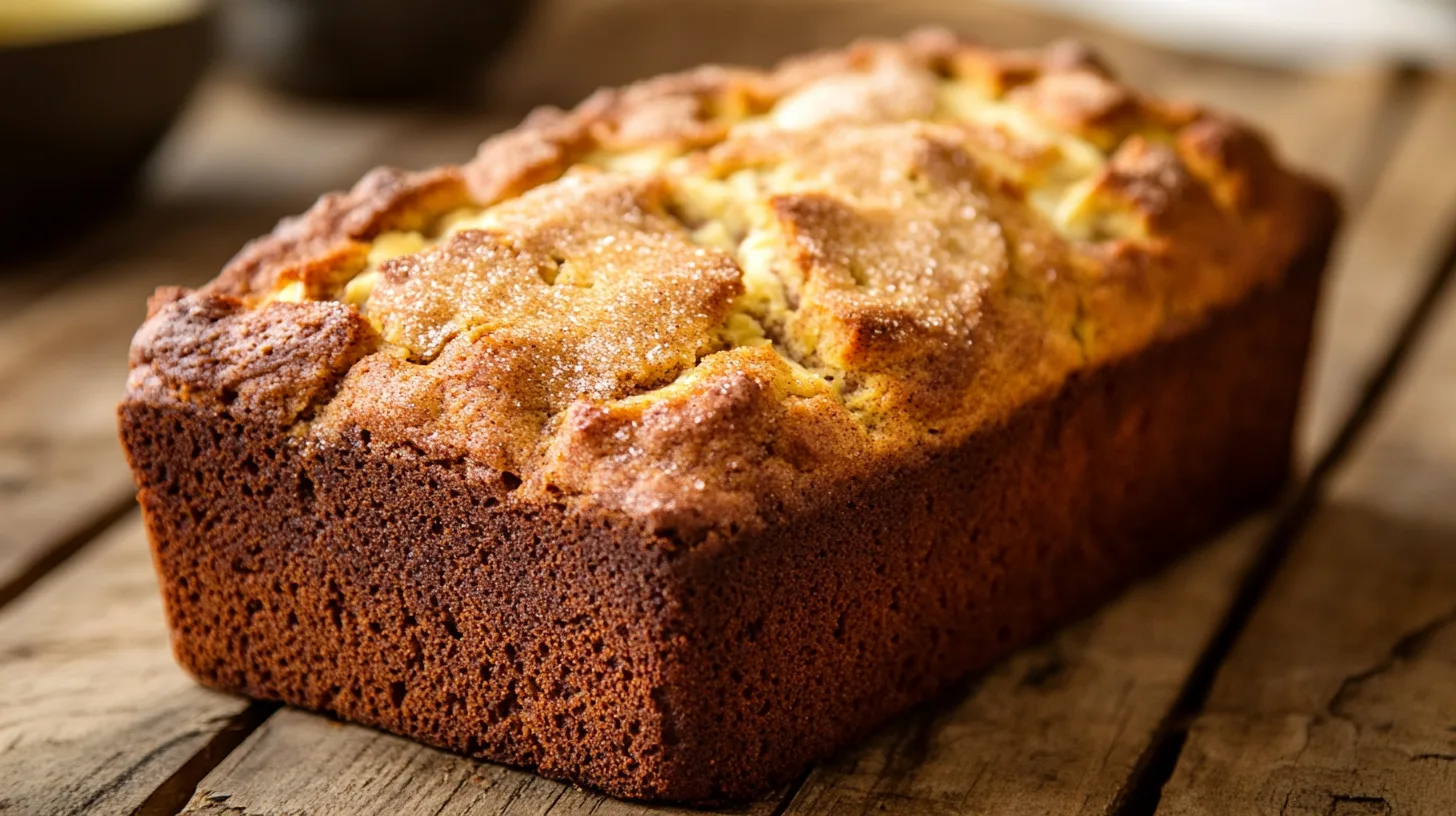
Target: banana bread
[{"x": 676, "y": 440}]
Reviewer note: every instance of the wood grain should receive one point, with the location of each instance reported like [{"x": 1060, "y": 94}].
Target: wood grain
[
  {"x": 93, "y": 712},
  {"x": 1388, "y": 248},
  {"x": 304, "y": 763},
  {"x": 1340, "y": 697}
]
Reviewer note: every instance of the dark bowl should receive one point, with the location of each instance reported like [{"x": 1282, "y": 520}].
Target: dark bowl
[
  {"x": 384, "y": 50},
  {"x": 80, "y": 117}
]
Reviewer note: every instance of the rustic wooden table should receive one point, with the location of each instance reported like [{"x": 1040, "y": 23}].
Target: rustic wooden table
[{"x": 1304, "y": 664}]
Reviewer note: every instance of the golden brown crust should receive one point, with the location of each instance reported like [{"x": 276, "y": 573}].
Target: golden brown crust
[
  {"x": 328, "y": 244},
  {"x": 773, "y": 280},
  {"x": 274, "y": 368}
]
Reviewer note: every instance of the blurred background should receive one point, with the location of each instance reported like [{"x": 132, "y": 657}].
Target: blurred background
[{"x": 275, "y": 100}]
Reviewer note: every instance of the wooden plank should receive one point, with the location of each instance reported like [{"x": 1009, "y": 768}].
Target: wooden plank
[
  {"x": 1340, "y": 697},
  {"x": 1378, "y": 277},
  {"x": 94, "y": 715},
  {"x": 1058, "y": 728},
  {"x": 303, "y": 763}
]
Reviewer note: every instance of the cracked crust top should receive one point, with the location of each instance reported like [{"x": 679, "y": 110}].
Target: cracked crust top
[{"x": 708, "y": 297}]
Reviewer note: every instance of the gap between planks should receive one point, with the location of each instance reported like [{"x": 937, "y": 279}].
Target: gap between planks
[
  {"x": 172, "y": 795},
  {"x": 1146, "y": 791},
  {"x": 94, "y": 715},
  {"x": 1339, "y": 697},
  {"x": 1416, "y": 325}
]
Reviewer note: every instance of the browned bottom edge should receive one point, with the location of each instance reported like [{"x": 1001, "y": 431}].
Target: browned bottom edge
[{"x": 394, "y": 592}]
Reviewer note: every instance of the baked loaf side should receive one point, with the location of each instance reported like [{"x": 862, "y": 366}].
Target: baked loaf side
[
  {"x": 874, "y": 252},
  {"x": 677, "y": 439}
]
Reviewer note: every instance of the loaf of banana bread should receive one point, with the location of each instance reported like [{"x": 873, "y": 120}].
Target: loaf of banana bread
[{"x": 676, "y": 440}]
